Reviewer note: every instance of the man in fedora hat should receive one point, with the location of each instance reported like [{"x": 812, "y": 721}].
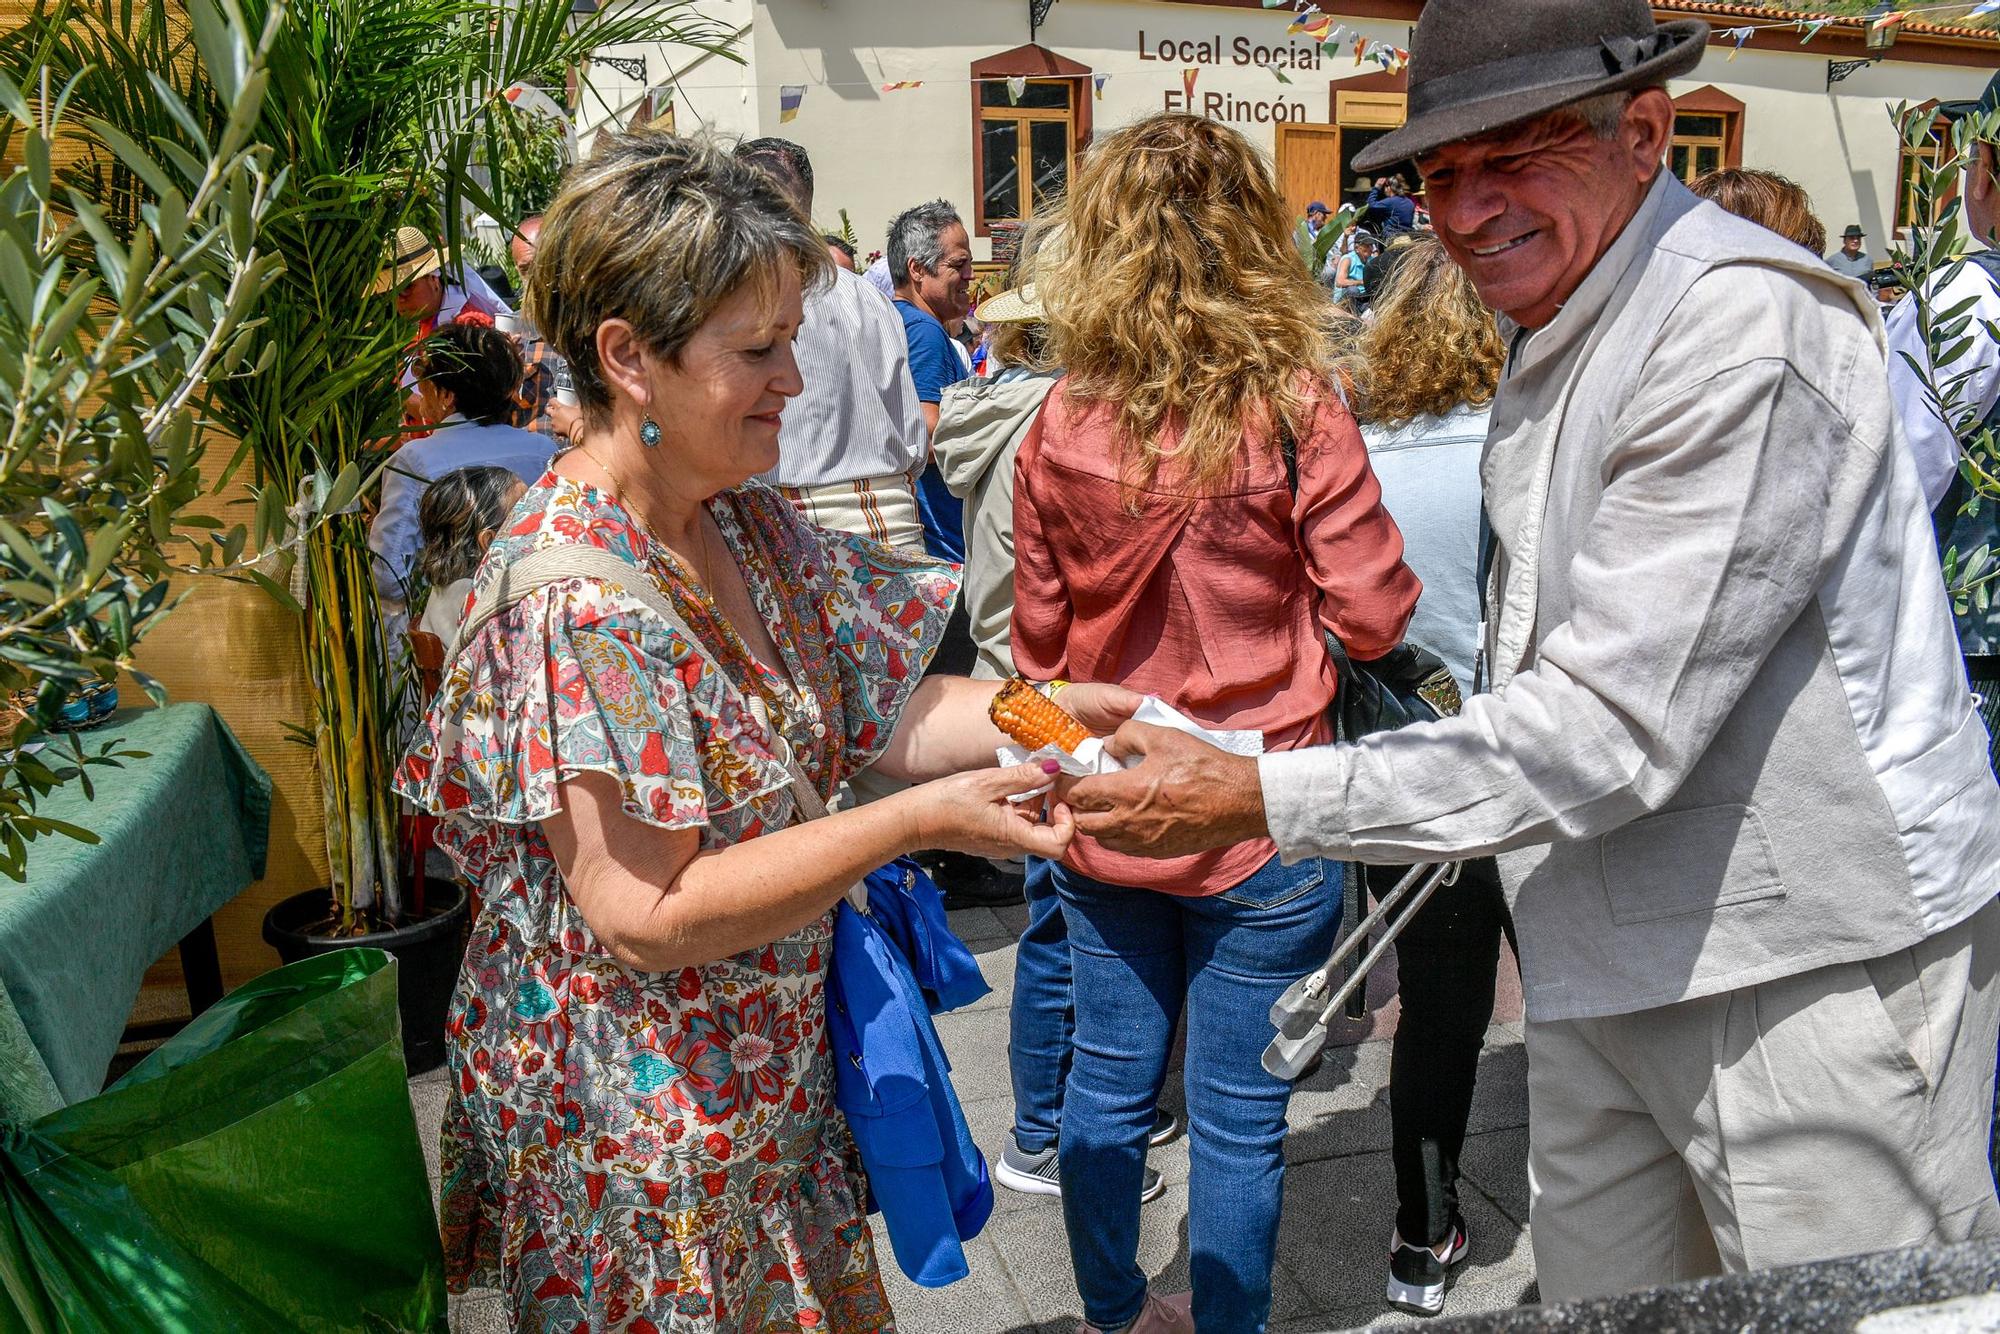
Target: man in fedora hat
[
  {"x": 1728, "y": 758},
  {"x": 1851, "y": 260}
]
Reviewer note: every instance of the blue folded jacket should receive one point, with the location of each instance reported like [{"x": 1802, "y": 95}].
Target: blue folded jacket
[{"x": 891, "y": 1078}]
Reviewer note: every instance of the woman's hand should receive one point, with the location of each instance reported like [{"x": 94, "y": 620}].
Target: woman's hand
[
  {"x": 1102, "y": 708},
  {"x": 971, "y": 813}
]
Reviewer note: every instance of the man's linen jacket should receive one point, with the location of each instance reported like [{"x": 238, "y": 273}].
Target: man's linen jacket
[{"x": 1730, "y": 738}]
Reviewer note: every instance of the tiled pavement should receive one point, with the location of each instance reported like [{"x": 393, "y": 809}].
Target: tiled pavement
[{"x": 1339, "y": 1190}]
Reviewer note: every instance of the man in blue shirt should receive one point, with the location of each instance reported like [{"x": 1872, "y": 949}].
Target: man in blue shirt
[
  {"x": 930, "y": 257},
  {"x": 1389, "y": 207}
]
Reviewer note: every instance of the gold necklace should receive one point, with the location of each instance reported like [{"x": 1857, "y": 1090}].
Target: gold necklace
[{"x": 625, "y": 497}]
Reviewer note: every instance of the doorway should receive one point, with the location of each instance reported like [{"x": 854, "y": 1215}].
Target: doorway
[{"x": 1309, "y": 164}]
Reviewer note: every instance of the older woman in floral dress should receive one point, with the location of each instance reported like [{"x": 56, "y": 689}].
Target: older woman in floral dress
[{"x": 641, "y": 1133}]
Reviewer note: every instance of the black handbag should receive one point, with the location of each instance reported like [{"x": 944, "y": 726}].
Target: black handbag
[{"x": 1405, "y": 685}]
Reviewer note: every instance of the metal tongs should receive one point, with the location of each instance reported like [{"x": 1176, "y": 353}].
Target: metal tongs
[{"x": 1303, "y": 1014}]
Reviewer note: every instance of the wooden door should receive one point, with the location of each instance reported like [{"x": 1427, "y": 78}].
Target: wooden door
[{"x": 1309, "y": 165}]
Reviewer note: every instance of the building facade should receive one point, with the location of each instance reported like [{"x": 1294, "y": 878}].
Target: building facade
[{"x": 987, "y": 102}]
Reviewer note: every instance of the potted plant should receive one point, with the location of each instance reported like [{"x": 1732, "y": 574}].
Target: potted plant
[
  {"x": 125, "y": 301},
  {"x": 383, "y": 113}
]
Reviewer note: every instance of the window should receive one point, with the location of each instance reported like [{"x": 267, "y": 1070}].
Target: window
[
  {"x": 1909, "y": 182},
  {"x": 1708, "y": 132},
  {"x": 1025, "y": 147},
  {"x": 1698, "y": 145}
]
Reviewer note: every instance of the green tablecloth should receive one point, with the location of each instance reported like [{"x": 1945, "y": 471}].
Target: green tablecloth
[{"x": 184, "y": 831}]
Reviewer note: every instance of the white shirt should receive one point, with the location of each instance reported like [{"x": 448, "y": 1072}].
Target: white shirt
[
  {"x": 1933, "y": 444},
  {"x": 858, "y": 415},
  {"x": 395, "y": 537}
]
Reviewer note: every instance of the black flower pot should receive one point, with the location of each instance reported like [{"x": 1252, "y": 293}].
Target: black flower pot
[{"x": 427, "y": 955}]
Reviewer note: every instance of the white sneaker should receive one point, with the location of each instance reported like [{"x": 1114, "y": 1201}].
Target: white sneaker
[
  {"x": 1418, "y": 1275},
  {"x": 1038, "y": 1174}
]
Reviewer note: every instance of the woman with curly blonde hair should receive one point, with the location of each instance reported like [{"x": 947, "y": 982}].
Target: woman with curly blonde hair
[
  {"x": 1425, "y": 372},
  {"x": 1161, "y": 544}
]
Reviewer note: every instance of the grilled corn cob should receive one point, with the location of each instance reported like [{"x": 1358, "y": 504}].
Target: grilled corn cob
[{"x": 1033, "y": 721}]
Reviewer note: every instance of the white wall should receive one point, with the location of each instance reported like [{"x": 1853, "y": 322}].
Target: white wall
[
  {"x": 875, "y": 153},
  {"x": 1840, "y": 145}
]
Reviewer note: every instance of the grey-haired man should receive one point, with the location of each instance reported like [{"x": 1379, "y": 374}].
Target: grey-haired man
[{"x": 1728, "y": 758}]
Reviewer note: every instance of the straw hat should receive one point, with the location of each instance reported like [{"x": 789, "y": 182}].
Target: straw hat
[
  {"x": 409, "y": 257},
  {"x": 1016, "y": 305}
]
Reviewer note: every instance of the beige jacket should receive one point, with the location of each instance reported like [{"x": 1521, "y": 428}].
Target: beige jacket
[
  {"x": 1730, "y": 738},
  {"x": 981, "y": 424}
]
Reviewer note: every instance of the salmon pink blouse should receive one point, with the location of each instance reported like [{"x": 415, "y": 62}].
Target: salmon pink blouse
[{"x": 1212, "y": 602}]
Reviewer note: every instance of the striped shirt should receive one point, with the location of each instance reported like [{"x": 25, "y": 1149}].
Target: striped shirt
[{"x": 858, "y": 415}]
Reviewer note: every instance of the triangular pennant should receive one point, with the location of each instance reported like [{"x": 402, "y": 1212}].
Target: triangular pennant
[
  {"x": 1886, "y": 25},
  {"x": 1188, "y": 76},
  {"x": 1283, "y": 77},
  {"x": 1811, "y": 27},
  {"x": 1738, "y": 36},
  {"x": 1016, "y": 86},
  {"x": 1314, "y": 27},
  {"x": 1097, "y": 82},
  {"x": 789, "y": 97},
  {"x": 902, "y": 84}
]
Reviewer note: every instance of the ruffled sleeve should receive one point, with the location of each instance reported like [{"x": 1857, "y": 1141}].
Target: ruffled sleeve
[
  {"x": 885, "y": 611},
  {"x": 882, "y": 613},
  {"x": 579, "y": 678}
]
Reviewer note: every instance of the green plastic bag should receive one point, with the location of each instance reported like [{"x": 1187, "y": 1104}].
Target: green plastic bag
[{"x": 260, "y": 1171}]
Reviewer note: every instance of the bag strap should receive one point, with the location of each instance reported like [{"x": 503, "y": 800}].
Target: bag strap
[
  {"x": 554, "y": 565},
  {"x": 1288, "y": 445}
]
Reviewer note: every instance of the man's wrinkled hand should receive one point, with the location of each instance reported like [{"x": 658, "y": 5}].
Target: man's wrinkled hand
[{"x": 1184, "y": 796}]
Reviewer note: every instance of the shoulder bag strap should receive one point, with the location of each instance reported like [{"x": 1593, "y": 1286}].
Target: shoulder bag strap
[{"x": 554, "y": 565}]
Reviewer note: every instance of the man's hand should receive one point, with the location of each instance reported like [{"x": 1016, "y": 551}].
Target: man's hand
[{"x": 1185, "y": 796}]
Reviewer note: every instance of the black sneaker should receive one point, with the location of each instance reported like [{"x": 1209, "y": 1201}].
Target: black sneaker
[
  {"x": 971, "y": 882},
  {"x": 1166, "y": 1127},
  {"x": 1418, "y": 1274},
  {"x": 1039, "y": 1174}
]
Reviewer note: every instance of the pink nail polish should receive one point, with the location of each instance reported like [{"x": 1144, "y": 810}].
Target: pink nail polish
[{"x": 1051, "y": 767}]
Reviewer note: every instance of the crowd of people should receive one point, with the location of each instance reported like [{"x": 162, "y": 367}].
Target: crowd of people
[{"x": 733, "y": 547}]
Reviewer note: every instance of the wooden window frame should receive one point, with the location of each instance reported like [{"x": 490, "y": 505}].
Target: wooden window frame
[
  {"x": 1037, "y": 64},
  {"x": 1708, "y": 100},
  {"x": 1941, "y": 138}
]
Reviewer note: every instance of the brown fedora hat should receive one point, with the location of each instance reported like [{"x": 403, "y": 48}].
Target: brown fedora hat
[{"x": 1477, "y": 65}]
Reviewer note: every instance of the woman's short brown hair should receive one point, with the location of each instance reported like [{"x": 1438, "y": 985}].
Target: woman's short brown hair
[
  {"x": 1776, "y": 203},
  {"x": 658, "y": 231}
]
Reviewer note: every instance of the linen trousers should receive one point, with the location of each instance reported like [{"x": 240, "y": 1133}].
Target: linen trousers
[{"x": 1842, "y": 1110}]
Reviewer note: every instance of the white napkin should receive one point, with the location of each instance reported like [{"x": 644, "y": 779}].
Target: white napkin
[{"x": 1090, "y": 757}]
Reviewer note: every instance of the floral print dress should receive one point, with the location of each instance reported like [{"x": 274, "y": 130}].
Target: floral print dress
[{"x": 658, "y": 1152}]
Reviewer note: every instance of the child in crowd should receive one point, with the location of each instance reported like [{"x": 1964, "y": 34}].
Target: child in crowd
[{"x": 458, "y": 515}]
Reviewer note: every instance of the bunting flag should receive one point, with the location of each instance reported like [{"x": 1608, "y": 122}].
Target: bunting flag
[
  {"x": 1360, "y": 48},
  {"x": 1314, "y": 26},
  {"x": 1886, "y": 25},
  {"x": 1738, "y": 36},
  {"x": 1097, "y": 82},
  {"x": 1279, "y": 70},
  {"x": 789, "y": 97},
  {"x": 1276, "y": 4},
  {"x": 538, "y": 103},
  {"x": 1983, "y": 7},
  {"x": 1016, "y": 85},
  {"x": 1188, "y": 76},
  {"x": 1811, "y": 27},
  {"x": 1336, "y": 41},
  {"x": 902, "y": 84}
]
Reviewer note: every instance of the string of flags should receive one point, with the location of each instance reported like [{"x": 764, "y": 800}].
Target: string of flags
[{"x": 1334, "y": 38}]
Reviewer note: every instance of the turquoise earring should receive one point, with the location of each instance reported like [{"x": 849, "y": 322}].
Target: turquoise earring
[{"x": 649, "y": 433}]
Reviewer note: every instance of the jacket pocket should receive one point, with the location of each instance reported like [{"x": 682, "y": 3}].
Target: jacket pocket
[{"x": 1683, "y": 862}]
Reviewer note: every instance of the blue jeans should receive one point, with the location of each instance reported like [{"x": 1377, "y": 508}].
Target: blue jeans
[
  {"x": 1139, "y": 958},
  {"x": 1041, "y": 1020}
]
